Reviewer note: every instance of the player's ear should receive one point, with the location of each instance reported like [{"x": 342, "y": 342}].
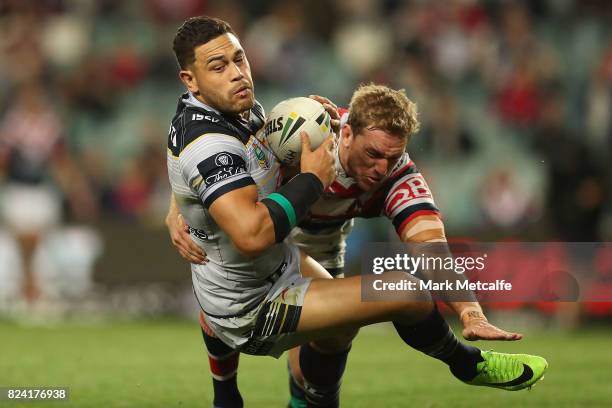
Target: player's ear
[
  {"x": 346, "y": 135},
  {"x": 188, "y": 78}
]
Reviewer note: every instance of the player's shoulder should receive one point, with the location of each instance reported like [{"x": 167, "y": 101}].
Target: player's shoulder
[
  {"x": 193, "y": 124},
  {"x": 404, "y": 166}
]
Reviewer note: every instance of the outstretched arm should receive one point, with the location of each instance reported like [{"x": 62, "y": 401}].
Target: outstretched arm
[{"x": 430, "y": 229}]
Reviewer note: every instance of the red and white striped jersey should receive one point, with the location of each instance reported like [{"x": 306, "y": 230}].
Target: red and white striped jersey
[{"x": 401, "y": 196}]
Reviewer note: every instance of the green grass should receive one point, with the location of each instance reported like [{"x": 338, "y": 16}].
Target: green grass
[{"x": 162, "y": 364}]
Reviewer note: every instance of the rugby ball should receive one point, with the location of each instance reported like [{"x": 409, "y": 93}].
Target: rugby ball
[{"x": 287, "y": 120}]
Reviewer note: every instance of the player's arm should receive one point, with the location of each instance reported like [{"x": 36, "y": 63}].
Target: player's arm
[
  {"x": 254, "y": 225},
  {"x": 430, "y": 229},
  {"x": 410, "y": 206},
  {"x": 247, "y": 221}
]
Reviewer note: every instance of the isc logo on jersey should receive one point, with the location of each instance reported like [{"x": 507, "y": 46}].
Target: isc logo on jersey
[
  {"x": 199, "y": 116},
  {"x": 288, "y": 119}
]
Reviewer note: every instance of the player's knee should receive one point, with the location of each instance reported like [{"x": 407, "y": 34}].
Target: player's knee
[{"x": 336, "y": 344}]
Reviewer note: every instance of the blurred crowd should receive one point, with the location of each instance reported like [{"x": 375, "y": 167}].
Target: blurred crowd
[
  {"x": 515, "y": 100},
  {"x": 87, "y": 88}
]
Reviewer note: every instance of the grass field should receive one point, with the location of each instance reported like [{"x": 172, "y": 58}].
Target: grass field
[{"x": 162, "y": 364}]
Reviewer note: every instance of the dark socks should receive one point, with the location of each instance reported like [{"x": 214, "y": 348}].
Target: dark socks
[
  {"x": 435, "y": 338},
  {"x": 322, "y": 376},
  {"x": 223, "y": 362},
  {"x": 295, "y": 390}
]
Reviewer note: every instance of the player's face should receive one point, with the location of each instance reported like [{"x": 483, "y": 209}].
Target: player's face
[
  {"x": 371, "y": 154},
  {"x": 220, "y": 76}
]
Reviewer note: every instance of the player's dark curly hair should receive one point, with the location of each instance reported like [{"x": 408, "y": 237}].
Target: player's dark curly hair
[
  {"x": 380, "y": 107},
  {"x": 194, "y": 32}
]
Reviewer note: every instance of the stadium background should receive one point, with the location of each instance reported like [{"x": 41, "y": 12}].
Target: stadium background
[{"x": 515, "y": 101}]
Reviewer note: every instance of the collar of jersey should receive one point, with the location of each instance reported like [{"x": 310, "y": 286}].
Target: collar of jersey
[
  {"x": 341, "y": 176},
  {"x": 192, "y": 101}
]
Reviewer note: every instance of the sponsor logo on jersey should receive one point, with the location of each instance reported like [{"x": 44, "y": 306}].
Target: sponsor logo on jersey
[
  {"x": 223, "y": 159},
  {"x": 222, "y": 173},
  {"x": 221, "y": 166},
  {"x": 199, "y": 116},
  {"x": 254, "y": 147},
  {"x": 198, "y": 233},
  {"x": 261, "y": 157}
]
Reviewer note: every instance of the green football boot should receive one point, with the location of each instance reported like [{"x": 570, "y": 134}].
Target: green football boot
[
  {"x": 296, "y": 403},
  {"x": 510, "y": 372}
]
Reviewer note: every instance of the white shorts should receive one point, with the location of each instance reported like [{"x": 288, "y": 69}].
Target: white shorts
[{"x": 270, "y": 328}]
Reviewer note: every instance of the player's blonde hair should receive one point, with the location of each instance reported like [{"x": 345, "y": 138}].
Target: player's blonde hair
[{"x": 380, "y": 107}]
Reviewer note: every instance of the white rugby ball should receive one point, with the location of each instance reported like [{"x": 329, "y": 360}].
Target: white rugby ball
[{"x": 285, "y": 122}]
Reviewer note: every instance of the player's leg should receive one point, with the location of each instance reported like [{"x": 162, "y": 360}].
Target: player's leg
[
  {"x": 323, "y": 360},
  {"x": 28, "y": 242},
  {"x": 296, "y": 379},
  {"x": 321, "y": 363},
  {"x": 418, "y": 323},
  {"x": 223, "y": 361},
  {"x": 333, "y": 306},
  {"x": 297, "y": 397},
  {"x": 336, "y": 346}
]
